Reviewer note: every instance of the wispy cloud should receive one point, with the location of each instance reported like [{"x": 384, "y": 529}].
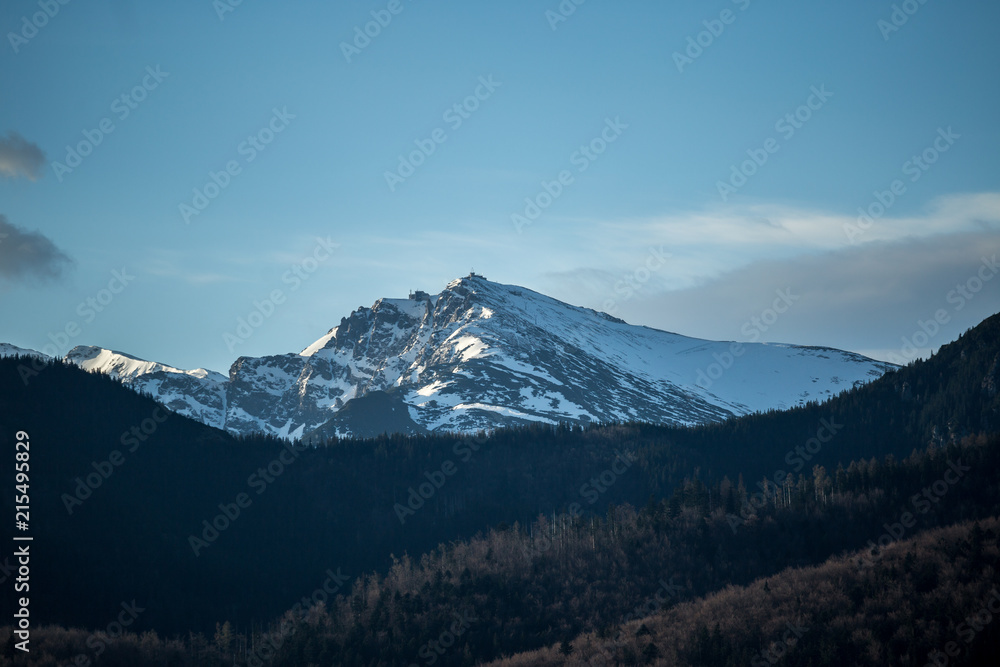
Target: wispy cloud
[
  {"x": 177, "y": 269},
  {"x": 863, "y": 298},
  {"x": 709, "y": 244},
  {"x": 776, "y": 228},
  {"x": 20, "y": 157}
]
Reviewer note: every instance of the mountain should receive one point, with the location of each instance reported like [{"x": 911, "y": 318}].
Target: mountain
[
  {"x": 199, "y": 394},
  {"x": 124, "y": 486},
  {"x": 8, "y": 350},
  {"x": 482, "y": 355}
]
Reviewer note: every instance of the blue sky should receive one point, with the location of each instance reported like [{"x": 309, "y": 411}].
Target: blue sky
[{"x": 207, "y": 88}]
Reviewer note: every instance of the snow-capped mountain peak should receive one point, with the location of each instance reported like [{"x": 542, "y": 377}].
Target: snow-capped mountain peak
[
  {"x": 480, "y": 355},
  {"x": 8, "y": 350}
]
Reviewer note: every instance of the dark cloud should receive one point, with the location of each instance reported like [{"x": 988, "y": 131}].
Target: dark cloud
[
  {"x": 866, "y": 298},
  {"x": 28, "y": 255},
  {"x": 20, "y": 157}
]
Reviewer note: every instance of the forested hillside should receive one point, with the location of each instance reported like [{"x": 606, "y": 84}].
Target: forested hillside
[
  {"x": 932, "y": 599},
  {"x": 131, "y": 502},
  {"x": 575, "y": 585}
]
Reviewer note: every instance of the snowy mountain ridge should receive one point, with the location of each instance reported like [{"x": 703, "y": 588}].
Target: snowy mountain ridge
[{"x": 482, "y": 355}]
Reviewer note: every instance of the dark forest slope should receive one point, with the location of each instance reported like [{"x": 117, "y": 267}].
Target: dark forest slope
[{"x": 350, "y": 504}]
